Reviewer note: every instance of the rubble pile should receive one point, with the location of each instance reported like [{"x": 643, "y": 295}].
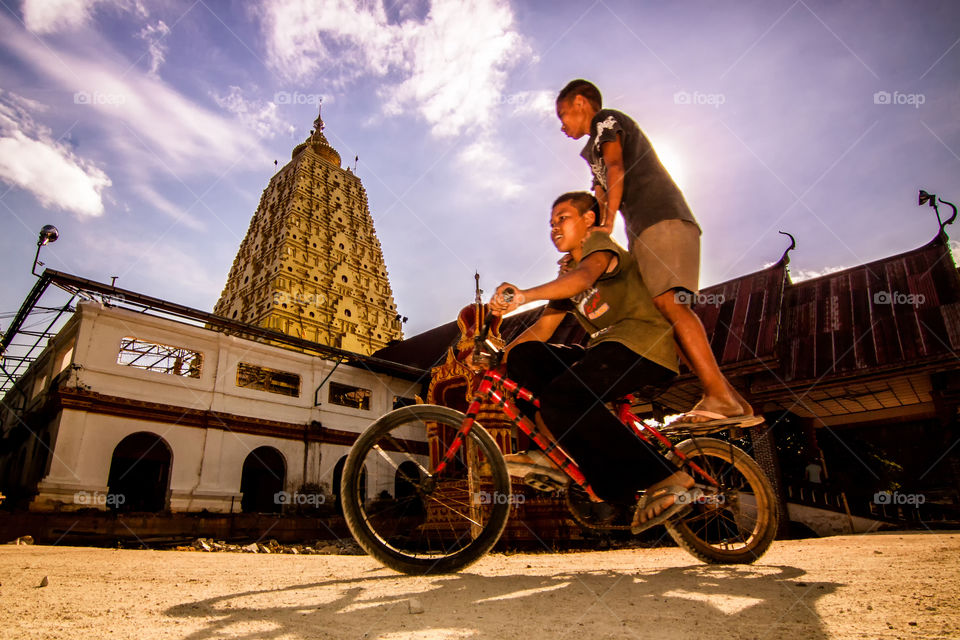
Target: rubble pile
[{"x": 320, "y": 547}]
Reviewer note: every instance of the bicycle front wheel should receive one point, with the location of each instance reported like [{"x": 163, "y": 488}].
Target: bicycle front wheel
[
  {"x": 735, "y": 522},
  {"x": 411, "y": 518}
]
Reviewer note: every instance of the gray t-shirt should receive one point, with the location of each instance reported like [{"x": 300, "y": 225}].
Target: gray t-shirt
[{"x": 649, "y": 193}]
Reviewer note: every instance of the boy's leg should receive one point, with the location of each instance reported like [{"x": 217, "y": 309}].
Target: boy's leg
[
  {"x": 668, "y": 256},
  {"x": 614, "y": 460}
]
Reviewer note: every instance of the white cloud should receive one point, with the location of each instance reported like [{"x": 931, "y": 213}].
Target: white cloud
[
  {"x": 541, "y": 104},
  {"x": 496, "y": 177},
  {"x": 155, "y": 35},
  {"x": 258, "y": 116},
  {"x": 50, "y": 16},
  {"x": 450, "y": 68},
  {"x": 141, "y": 114},
  {"x": 798, "y": 275},
  {"x": 32, "y": 160}
]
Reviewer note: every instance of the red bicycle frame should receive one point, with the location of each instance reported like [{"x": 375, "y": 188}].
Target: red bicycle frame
[{"x": 494, "y": 382}]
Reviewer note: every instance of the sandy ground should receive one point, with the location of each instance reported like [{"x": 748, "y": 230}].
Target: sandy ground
[{"x": 870, "y": 586}]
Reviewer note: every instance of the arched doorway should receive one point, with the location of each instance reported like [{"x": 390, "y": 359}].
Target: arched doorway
[
  {"x": 262, "y": 481},
  {"x": 337, "y": 477},
  {"x": 139, "y": 473}
]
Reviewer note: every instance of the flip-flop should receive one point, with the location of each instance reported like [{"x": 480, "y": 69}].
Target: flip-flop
[
  {"x": 683, "y": 502},
  {"x": 539, "y": 464},
  {"x": 715, "y": 421}
]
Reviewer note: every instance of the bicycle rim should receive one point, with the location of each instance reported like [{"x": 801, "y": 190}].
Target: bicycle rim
[
  {"x": 734, "y": 523},
  {"x": 407, "y": 516}
]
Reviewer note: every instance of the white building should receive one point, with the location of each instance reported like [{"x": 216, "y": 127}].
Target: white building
[{"x": 139, "y": 412}]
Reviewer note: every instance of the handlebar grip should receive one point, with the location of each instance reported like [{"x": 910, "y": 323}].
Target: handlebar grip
[{"x": 507, "y": 294}]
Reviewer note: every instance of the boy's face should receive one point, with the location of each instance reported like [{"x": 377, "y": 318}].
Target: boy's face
[
  {"x": 568, "y": 226},
  {"x": 575, "y": 115}
]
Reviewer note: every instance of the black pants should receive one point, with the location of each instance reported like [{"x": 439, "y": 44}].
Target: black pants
[{"x": 573, "y": 384}]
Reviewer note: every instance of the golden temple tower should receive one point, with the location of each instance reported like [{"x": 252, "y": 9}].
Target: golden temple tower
[{"x": 310, "y": 264}]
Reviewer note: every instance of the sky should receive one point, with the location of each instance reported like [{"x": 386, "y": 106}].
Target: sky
[{"x": 146, "y": 131}]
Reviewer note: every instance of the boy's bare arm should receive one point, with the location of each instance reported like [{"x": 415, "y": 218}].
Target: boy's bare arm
[
  {"x": 565, "y": 286},
  {"x": 613, "y": 158}
]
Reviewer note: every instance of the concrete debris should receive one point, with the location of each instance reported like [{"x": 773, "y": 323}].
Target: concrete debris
[
  {"x": 319, "y": 547},
  {"x": 415, "y": 605}
]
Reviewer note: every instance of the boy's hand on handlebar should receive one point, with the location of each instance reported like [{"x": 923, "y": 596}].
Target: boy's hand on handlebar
[{"x": 506, "y": 298}]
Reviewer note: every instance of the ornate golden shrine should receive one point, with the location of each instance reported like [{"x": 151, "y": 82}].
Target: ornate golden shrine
[{"x": 534, "y": 516}]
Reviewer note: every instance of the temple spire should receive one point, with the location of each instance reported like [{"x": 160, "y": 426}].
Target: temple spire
[{"x": 318, "y": 127}]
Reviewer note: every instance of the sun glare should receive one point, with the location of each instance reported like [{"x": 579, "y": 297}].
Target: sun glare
[{"x": 672, "y": 160}]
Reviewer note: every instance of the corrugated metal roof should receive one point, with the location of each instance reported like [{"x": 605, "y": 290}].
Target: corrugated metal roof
[{"x": 891, "y": 312}]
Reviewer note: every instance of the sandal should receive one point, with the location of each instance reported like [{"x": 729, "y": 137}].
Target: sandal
[
  {"x": 536, "y": 463},
  {"x": 716, "y": 421},
  {"x": 683, "y": 500}
]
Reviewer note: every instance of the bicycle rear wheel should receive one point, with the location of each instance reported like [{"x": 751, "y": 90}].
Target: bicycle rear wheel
[
  {"x": 734, "y": 523},
  {"x": 416, "y": 521}
]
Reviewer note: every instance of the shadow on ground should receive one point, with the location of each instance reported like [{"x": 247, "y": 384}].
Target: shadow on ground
[{"x": 753, "y": 601}]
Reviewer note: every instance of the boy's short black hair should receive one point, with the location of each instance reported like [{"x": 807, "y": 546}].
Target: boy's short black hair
[
  {"x": 583, "y": 201},
  {"x": 585, "y": 88}
]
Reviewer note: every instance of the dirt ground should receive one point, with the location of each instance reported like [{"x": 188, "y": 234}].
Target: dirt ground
[{"x": 899, "y": 585}]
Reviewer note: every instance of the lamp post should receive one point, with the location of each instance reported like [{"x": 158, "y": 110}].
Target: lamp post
[
  {"x": 931, "y": 199},
  {"x": 48, "y": 234}
]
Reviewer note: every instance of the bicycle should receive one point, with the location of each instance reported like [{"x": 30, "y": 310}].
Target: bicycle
[{"x": 452, "y": 493}]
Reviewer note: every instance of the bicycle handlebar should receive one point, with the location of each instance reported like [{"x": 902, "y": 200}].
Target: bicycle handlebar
[{"x": 481, "y": 337}]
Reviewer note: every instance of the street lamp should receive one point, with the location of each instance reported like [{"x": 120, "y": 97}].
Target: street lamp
[
  {"x": 48, "y": 234},
  {"x": 932, "y": 199}
]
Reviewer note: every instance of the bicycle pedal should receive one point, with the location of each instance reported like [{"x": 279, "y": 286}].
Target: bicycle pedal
[{"x": 542, "y": 482}]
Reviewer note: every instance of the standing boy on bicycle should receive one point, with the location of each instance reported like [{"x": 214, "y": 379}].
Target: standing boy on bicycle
[
  {"x": 664, "y": 237},
  {"x": 630, "y": 347}
]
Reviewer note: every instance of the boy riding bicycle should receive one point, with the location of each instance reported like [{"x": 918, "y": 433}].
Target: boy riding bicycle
[{"x": 631, "y": 346}]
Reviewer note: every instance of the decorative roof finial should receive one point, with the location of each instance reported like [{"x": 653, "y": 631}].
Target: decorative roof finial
[{"x": 785, "y": 258}]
